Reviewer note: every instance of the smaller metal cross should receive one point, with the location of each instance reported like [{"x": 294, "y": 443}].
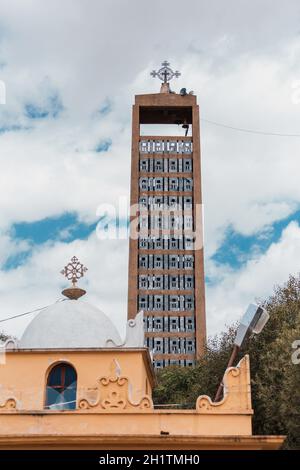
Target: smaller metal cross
[
  {"x": 165, "y": 73},
  {"x": 74, "y": 270}
]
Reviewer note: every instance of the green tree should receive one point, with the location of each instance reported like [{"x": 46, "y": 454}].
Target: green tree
[{"x": 275, "y": 380}]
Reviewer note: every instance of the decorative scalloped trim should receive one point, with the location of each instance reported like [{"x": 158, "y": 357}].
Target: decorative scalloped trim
[
  {"x": 9, "y": 404},
  {"x": 235, "y": 377},
  {"x": 113, "y": 394}
]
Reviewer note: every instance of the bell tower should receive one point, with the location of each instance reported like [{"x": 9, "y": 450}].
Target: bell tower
[{"x": 166, "y": 269}]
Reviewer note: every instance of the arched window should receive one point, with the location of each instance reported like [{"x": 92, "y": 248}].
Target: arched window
[{"x": 61, "y": 388}]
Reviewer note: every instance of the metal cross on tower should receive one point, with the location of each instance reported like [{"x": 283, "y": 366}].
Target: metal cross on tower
[{"x": 165, "y": 73}]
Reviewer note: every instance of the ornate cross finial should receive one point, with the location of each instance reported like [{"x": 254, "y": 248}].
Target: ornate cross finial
[
  {"x": 73, "y": 271},
  {"x": 165, "y": 73}
]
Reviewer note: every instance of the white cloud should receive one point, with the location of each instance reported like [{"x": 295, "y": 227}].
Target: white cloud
[
  {"x": 240, "y": 64},
  {"x": 229, "y": 297},
  {"x": 39, "y": 283},
  {"x": 10, "y": 247}
]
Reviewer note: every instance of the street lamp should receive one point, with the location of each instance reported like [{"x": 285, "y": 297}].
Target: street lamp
[{"x": 252, "y": 322}]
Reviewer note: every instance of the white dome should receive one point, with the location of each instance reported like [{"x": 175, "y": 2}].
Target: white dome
[{"x": 69, "y": 324}]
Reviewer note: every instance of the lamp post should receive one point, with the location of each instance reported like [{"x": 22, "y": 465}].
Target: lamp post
[{"x": 252, "y": 322}]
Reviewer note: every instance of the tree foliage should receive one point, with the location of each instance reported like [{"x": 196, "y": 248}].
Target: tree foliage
[{"x": 275, "y": 379}]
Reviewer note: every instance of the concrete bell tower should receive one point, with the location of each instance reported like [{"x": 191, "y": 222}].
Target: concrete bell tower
[{"x": 166, "y": 269}]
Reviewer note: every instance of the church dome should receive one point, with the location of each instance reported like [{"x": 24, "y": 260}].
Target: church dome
[{"x": 69, "y": 324}]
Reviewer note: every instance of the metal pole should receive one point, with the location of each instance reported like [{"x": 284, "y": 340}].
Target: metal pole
[{"x": 231, "y": 361}]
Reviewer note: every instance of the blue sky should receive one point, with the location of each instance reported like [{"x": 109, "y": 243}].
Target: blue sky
[
  {"x": 65, "y": 227},
  {"x": 65, "y": 142},
  {"x": 235, "y": 250},
  {"x": 51, "y": 109}
]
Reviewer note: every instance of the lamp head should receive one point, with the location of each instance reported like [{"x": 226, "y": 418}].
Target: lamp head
[{"x": 252, "y": 322}]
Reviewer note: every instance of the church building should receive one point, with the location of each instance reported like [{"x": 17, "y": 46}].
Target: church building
[{"x": 71, "y": 382}]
